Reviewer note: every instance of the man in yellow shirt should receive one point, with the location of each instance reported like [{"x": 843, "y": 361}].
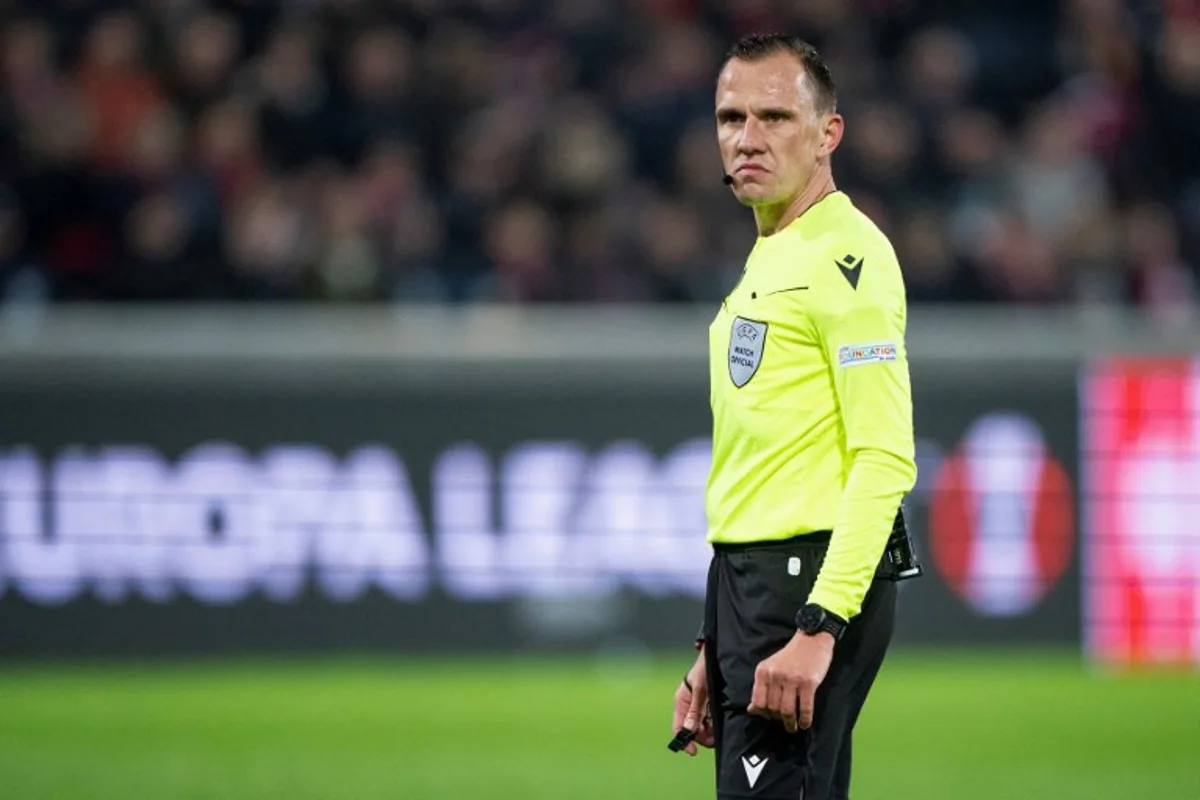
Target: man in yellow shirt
[{"x": 812, "y": 447}]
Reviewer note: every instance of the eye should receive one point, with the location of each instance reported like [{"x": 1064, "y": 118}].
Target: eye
[{"x": 731, "y": 117}]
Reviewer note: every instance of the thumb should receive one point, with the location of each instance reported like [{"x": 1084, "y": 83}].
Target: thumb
[
  {"x": 695, "y": 714},
  {"x": 695, "y": 709}
]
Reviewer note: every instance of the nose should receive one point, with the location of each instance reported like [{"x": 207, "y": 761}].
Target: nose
[{"x": 750, "y": 140}]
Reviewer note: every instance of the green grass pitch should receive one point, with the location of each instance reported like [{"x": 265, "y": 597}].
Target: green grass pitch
[{"x": 940, "y": 724}]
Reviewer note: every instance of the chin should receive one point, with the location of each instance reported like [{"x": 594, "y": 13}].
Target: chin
[{"x": 755, "y": 194}]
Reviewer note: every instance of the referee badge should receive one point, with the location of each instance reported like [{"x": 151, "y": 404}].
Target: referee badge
[{"x": 746, "y": 341}]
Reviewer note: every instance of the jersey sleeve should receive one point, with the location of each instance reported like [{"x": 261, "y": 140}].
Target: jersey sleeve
[{"x": 861, "y": 324}]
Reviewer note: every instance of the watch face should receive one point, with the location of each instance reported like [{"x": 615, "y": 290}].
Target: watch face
[{"x": 810, "y": 619}]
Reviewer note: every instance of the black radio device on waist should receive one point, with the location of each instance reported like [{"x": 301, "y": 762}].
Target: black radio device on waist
[{"x": 899, "y": 552}]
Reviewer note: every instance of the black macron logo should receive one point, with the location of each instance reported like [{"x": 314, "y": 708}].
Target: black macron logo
[{"x": 851, "y": 267}]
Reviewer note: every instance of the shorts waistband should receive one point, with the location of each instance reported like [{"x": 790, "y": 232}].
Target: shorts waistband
[{"x": 812, "y": 539}]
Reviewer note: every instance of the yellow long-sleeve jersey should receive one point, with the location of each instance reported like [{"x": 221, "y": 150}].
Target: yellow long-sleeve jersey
[{"x": 811, "y": 398}]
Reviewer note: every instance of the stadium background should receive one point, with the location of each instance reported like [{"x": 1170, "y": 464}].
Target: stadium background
[{"x": 353, "y": 411}]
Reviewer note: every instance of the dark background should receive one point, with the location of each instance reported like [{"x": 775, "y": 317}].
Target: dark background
[{"x": 418, "y": 420}]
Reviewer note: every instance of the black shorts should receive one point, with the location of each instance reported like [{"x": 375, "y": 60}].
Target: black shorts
[{"x": 753, "y": 594}]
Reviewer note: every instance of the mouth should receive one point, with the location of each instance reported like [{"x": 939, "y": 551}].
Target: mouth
[{"x": 750, "y": 169}]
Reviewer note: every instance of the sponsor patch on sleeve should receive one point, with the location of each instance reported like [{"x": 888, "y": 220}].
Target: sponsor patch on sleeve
[{"x": 852, "y": 355}]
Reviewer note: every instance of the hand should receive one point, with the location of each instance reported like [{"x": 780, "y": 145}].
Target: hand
[
  {"x": 691, "y": 708},
  {"x": 785, "y": 685}
]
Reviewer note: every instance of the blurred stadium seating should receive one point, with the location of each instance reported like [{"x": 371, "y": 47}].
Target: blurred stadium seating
[
  {"x": 1018, "y": 151},
  {"x": 360, "y": 511}
]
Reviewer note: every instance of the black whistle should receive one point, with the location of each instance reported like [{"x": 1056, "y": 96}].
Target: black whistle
[{"x": 681, "y": 740}]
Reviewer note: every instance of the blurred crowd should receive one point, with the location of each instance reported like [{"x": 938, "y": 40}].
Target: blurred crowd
[{"x": 1016, "y": 151}]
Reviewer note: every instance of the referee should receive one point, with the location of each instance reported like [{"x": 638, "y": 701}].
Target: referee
[{"x": 812, "y": 447}]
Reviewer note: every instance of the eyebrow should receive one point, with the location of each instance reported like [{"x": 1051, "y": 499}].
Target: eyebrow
[{"x": 724, "y": 112}]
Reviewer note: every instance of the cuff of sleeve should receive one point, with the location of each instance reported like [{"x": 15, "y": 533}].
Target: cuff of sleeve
[{"x": 834, "y": 602}]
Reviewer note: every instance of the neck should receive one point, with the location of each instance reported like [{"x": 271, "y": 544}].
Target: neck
[{"x": 773, "y": 218}]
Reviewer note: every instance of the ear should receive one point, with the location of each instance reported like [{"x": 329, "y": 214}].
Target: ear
[{"x": 832, "y": 128}]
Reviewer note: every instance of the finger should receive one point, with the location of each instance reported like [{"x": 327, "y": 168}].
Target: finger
[
  {"x": 788, "y": 707},
  {"x": 695, "y": 711},
  {"x": 707, "y": 735},
  {"x": 758, "y": 698},
  {"x": 775, "y": 699},
  {"x": 679, "y": 712},
  {"x": 694, "y": 718},
  {"x": 808, "y": 693}
]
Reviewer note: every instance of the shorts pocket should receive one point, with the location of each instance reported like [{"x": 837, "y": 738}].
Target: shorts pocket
[{"x": 787, "y": 576}]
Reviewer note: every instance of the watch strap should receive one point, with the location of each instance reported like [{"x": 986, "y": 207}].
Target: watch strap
[{"x": 813, "y": 619}]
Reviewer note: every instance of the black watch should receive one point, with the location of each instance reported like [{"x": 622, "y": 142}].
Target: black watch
[{"x": 812, "y": 619}]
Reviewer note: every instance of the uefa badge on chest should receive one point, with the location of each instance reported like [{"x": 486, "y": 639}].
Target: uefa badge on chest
[{"x": 746, "y": 341}]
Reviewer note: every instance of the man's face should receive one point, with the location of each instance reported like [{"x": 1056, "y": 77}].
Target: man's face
[{"x": 771, "y": 135}]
